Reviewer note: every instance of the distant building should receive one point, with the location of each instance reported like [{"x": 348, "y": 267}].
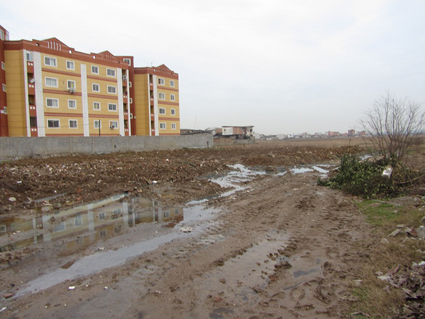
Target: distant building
[
  {"x": 351, "y": 132},
  {"x": 237, "y": 132}
]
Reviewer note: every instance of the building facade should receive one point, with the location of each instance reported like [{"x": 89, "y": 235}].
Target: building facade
[{"x": 50, "y": 89}]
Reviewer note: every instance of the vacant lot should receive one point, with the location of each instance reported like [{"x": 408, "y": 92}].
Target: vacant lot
[{"x": 277, "y": 247}]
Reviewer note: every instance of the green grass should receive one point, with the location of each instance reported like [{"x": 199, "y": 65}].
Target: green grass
[{"x": 379, "y": 213}]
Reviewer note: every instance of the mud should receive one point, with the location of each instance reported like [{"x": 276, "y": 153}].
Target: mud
[{"x": 274, "y": 246}]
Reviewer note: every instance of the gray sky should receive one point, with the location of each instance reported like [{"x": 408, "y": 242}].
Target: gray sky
[{"x": 284, "y": 66}]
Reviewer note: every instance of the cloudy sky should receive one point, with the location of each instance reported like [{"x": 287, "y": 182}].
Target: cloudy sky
[{"x": 284, "y": 66}]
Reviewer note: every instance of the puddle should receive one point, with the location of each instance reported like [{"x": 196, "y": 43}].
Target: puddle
[
  {"x": 300, "y": 273},
  {"x": 77, "y": 228}
]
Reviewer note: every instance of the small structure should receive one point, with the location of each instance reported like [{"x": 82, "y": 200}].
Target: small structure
[{"x": 236, "y": 132}]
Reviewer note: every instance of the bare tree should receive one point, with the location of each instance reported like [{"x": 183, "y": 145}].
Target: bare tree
[{"x": 391, "y": 126}]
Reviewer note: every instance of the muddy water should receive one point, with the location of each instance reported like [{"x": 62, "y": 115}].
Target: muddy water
[{"x": 77, "y": 228}]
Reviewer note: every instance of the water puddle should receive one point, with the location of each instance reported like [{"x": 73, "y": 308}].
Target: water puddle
[{"x": 116, "y": 217}]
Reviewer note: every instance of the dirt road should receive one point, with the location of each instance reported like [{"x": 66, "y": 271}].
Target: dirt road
[{"x": 277, "y": 247}]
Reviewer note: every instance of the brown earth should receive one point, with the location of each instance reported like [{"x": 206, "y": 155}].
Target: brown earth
[{"x": 283, "y": 248}]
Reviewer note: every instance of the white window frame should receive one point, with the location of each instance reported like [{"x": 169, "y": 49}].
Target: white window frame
[
  {"x": 29, "y": 57},
  {"x": 51, "y": 121},
  {"x": 113, "y": 125},
  {"x": 161, "y": 96},
  {"x": 93, "y": 86},
  {"x": 4, "y": 109},
  {"x": 70, "y": 102},
  {"x": 100, "y": 106},
  {"x": 4, "y": 87},
  {"x": 162, "y": 111},
  {"x": 112, "y": 71},
  {"x": 95, "y": 69},
  {"x": 52, "y": 99},
  {"x": 3, "y": 66},
  {"x": 128, "y": 61},
  {"x": 69, "y": 124},
  {"x": 173, "y": 126},
  {"x": 172, "y": 97},
  {"x": 96, "y": 124},
  {"x": 162, "y": 126},
  {"x": 114, "y": 109},
  {"x": 52, "y": 79},
  {"x": 172, "y": 83},
  {"x": 70, "y": 84},
  {"x": 2, "y": 35},
  {"x": 173, "y": 111},
  {"x": 48, "y": 61},
  {"x": 161, "y": 81},
  {"x": 113, "y": 88},
  {"x": 71, "y": 65},
  {"x": 130, "y": 84}
]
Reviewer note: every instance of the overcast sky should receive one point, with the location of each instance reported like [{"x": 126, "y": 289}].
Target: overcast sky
[{"x": 284, "y": 66}]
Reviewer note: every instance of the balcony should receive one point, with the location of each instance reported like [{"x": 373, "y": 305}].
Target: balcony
[
  {"x": 31, "y": 89},
  {"x": 30, "y": 67},
  {"x": 34, "y": 132},
  {"x": 124, "y": 81},
  {"x": 33, "y": 110}
]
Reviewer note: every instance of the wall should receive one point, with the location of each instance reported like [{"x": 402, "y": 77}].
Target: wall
[{"x": 20, "y": 147}]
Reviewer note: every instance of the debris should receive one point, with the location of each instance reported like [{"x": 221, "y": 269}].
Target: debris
[
  {"x": 12, "y": 199},
  {"x": 71, "y": 287},
  {"x": 186, "y": 229},
  {"x": 217, "y": 299},
  {"x": 100, "y": 248},
  {"x": 384, "y": 241},
  {"x": 223, "y": 281},
  {"x": 283, "y": 265},
  {"x": 387, "y": 172},
  {"x": 8, "y": 295},
  {"x": 421, "y": 232},
  {"x": 2, "y": 309},
  {"x": 395, "y": 233}
]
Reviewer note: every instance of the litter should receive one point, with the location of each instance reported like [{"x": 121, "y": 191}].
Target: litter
[
  {"x": 186, "y": 229},
  {"x": 71, "y": 287}
]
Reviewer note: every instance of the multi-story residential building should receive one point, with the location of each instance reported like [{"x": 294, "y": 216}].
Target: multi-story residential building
[
  {"x": 54, "y": 90},
  {"x": 157, "y": 106}
]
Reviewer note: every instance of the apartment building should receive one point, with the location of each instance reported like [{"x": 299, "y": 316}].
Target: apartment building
[{"x": 50, "y": 89}]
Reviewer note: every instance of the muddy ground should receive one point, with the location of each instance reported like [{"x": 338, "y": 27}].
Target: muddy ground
[{"x": 281, "y": 247}]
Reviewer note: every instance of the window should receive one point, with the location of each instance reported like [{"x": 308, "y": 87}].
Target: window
[
  {"x": 173, "y": 126},
  {"x": 161, "y": 81},
  {"x": 172, "y": 97},
  {"x": 72, "y": 104},
  {"x": 70, "y": 65},
  {"x": 73, "y": 124},
  {"x": 166, "y": 214},
  {"x": 49, "y": 61},
  {"x": 60, "y": 227},
  {"x": 112, "y": 107},
  {"x": 97, "y": 124},
  {"x": 173, "y": 111},
  {"x": 161, "y": 96},
  {"x": 112, "y": 89},
  {"x": 5, "y": 110},
  {"x": 2, "y": 35},
  {"x": 101, "y": 216},
  {"x": 29, "y": 56},
  {"x": 162, "y": 110},
  {"x": 113, "y": 124},
  {"x": 53, "y": 82},
  {"x": 71, "y": 84},
  {"x": 96, "y": 106},
  {"x": 53, "y": 123},
  {"x": 95, "y": 87},
  {"x": 33, "y": 121},
  {"x": 130, "y": 84},
  {"x": 128, "y": 61},
  {"x": 3, "y": 66},
  {"x": 4, "y": 87},
  {"x": 110, "y": 72},
  {"x": 162, "y": 126},
  {"x": 78, "y": 221},
  {"x": 94, "y": 69},
  {"x": 52, "y": 102},
  {"x": 172, "y": 84}
]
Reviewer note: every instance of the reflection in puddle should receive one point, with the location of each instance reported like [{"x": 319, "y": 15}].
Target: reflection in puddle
[{"x": 103, "y": 219}]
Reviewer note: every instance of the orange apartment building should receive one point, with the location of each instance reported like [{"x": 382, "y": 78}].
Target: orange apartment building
[{"x": 50, "y": 89}]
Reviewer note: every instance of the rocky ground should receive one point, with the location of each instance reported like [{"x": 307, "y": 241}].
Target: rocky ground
[{"x": 281, "y": 247}]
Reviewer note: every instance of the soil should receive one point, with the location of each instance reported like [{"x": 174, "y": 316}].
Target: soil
[{"x": 281, "y": 247}]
